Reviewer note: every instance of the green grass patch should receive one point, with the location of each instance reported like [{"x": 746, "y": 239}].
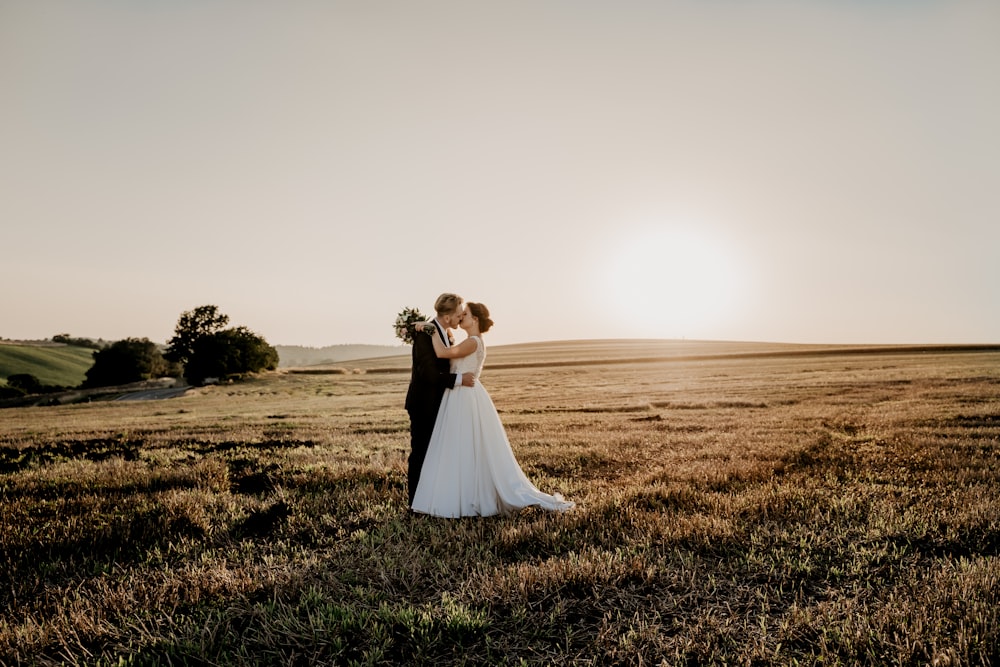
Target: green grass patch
[{"x": 64, "y": 366}]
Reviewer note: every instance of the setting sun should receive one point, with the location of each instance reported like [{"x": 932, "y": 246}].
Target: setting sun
[{"x": 673, "y": 283}]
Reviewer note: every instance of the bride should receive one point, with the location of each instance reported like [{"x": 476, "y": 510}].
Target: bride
[{"x": 470, "y": 469}]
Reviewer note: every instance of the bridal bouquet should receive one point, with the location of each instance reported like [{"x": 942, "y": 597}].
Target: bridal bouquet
[{"x": 404, "y": 324}]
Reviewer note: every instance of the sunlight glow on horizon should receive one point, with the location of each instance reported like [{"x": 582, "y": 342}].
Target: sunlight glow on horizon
[{"x": 671, "y": 279}]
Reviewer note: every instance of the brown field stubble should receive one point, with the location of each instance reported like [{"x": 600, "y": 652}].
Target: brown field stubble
[{"x": 811, "y": 510}]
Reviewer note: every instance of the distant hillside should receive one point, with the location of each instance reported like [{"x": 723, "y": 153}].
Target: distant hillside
[
  {"x": 62, "y": 365},
  {"x": 297, "y": 355},
  {"x": 626, "y": 351}
]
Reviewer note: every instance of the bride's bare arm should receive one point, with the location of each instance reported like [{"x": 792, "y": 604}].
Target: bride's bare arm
[{"x": 463, "y": 349}]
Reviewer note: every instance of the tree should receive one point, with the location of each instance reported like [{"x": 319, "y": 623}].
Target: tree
[
  {"x": 125, "y": 361},
  {"x": 26, "y": 382},
  {"x": 192, "y": 326},
  {"x": 229, "y": 352}
]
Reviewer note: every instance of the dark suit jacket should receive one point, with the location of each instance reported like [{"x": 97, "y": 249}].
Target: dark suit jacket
[{"x": 429, "y": 377}]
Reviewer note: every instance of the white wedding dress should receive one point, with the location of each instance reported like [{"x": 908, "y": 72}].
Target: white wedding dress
[{"x": 470, "y": 469}]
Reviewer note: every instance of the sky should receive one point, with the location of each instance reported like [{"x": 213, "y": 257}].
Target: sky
[{"x": 807, "y": 171}]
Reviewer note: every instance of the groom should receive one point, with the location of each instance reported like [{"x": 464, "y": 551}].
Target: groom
[{"x": 429, "y": 377}]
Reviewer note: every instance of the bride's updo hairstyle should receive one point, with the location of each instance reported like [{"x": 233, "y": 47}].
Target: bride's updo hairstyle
[{"x": 481, "y": 313}]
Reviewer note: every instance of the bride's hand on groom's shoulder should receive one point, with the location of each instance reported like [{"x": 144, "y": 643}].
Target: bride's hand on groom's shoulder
[{"x": 419, "y": 326}]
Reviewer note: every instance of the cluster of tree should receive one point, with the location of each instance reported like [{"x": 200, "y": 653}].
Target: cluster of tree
[
  {"x": 205, "y": 349},
  {"x": 201, "y": 349},
  {"x": 66, "y": 339}
]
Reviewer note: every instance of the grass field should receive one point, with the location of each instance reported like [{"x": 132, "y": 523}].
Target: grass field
[
  {"x": 839, "y": 508},
  {"x": 60, "y": 365}
]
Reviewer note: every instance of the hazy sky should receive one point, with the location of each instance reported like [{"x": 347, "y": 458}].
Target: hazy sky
[{"x": 803, "y": 171}]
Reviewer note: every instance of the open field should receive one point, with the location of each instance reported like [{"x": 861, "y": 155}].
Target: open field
[{"x": 827, "y": 508}]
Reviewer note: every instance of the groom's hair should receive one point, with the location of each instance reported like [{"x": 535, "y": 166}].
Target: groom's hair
[{"x": 447, "y": 303}]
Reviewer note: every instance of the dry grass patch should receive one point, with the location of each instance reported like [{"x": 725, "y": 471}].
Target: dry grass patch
[{"x": 827, "y": 510}]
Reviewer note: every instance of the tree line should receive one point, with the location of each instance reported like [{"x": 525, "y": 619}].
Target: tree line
[{"x": 202, "y": 349}]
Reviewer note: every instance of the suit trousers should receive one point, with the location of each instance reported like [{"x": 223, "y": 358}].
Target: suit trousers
[{"x": 421, "y": 429}]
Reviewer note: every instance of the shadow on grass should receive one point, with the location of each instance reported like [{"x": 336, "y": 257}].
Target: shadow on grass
[
  {"x": 115, "y": 538},
  {"x": 14, "y": 459}
]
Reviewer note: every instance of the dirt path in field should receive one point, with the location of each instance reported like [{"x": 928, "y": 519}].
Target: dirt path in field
[{"x": 154, "y": 394}]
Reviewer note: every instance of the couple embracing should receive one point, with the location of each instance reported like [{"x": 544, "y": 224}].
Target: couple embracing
[{"x": 461, "y": 463}]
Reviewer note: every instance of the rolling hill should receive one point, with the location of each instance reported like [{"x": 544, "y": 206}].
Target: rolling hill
[
  {"x": 62, "y": 365},
  {"x": 298, "y": 355},
  {"x": 616, "y": 351}
]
